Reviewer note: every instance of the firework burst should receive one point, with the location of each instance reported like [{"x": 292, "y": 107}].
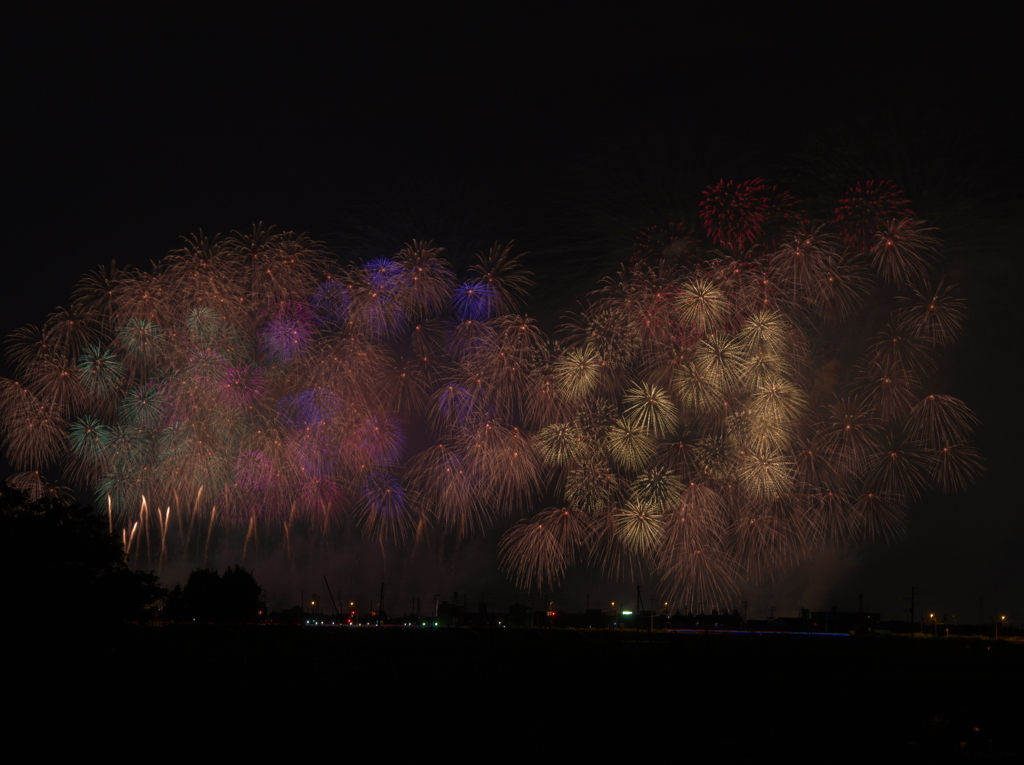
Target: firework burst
[
  {"x": 711, "y": 420},
  {"x": 254, "y": 378},
  {"x": 710, "y": 429},
  {"x": 868, "y": 206}
]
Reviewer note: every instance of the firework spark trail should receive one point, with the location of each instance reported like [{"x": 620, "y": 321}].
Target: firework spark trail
[
  {"x": 249, "y": 534},
  {"x": 127, "y": 540},
  {"x": 164, "y": 523},
  {"x": 209, "y": 533}
]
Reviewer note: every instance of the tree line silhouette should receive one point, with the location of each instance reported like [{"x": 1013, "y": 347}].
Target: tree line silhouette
[
  {"x": 61, "y": 564},
  {"x": 234, "y": 597}
]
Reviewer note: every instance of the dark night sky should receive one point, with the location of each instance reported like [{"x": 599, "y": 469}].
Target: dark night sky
[{"x": 126, "y": 132}]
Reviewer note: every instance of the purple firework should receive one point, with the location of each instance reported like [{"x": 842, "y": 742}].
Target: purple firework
[
  {"x": 384, "y": 273},
  {"x": 476, "y": 300},
  {"x": 316, "y": 407},
  {"x": 288, "y": 335},
  {"x": 331, "y": 303}
]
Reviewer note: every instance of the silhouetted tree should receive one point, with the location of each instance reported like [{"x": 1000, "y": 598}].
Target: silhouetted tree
[
  {"x": 242, "y": 595},
  {"x": 59, "y": 562},
  {"x": 234, "y": 597},
  {"x": 204, "y": 596}
]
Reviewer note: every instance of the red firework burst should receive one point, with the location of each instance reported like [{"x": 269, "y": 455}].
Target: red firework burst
[
  {"x": 868, "y": 206},
  {"x": 735, "y": 212}
]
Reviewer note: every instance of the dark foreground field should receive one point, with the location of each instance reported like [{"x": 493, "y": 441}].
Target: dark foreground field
[{"x": 737, "y": 698}]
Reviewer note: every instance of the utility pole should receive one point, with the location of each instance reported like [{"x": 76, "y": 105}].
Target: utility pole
[
  {"x": 636, "y": 613},
  {"x": 913, "y": 592},
  {"x": 380, "y": 604},
  {"x": 639, "y": 611},
  {"x": 333, "y": 602}
]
